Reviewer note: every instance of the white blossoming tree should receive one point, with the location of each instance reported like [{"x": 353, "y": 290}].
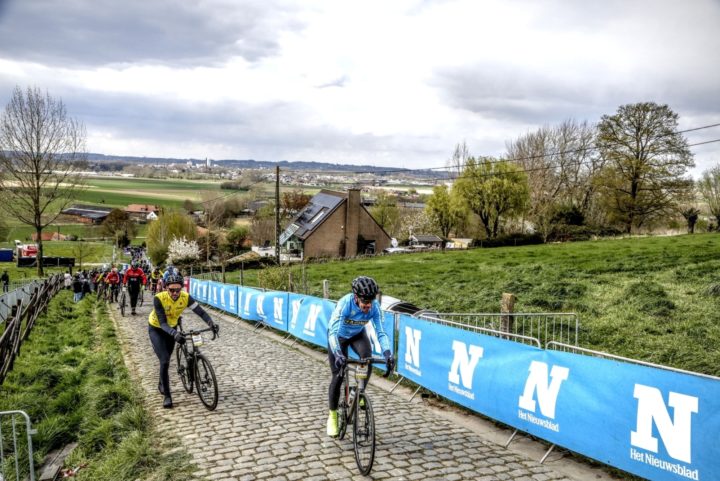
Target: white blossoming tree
[{"x": 182, "y": 252}]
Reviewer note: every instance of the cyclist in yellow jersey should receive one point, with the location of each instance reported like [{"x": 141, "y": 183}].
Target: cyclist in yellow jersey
[{"x": 167, "y": 308}]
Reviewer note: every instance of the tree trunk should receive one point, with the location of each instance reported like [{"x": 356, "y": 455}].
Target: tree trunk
[{"x": 40, "y": 272}]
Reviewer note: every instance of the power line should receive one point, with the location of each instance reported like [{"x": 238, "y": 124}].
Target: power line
[{"x": 532, "y": 157}]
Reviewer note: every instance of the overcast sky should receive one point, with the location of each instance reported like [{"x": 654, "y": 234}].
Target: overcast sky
[{"x": 392, "y": 83}]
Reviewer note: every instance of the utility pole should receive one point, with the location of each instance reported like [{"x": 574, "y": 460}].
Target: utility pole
[{"x": 277, "y": 214}]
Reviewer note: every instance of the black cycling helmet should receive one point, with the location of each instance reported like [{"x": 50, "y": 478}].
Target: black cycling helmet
[
  {"x": 174, "y": 279},
  {"x": 365, "y": 288}
]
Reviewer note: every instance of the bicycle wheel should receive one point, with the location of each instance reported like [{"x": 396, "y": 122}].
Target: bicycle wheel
[
  {"x": 343, "y": 408},
  {"x": 142, "y": 296},
  {"x": 205, "y": 382},
  {"x": 122, "y": 304},
  {"x": 186, "y": 375},
  {"x": 364, "y": 435}
]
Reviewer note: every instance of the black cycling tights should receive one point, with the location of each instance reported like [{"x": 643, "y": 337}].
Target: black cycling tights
[
  {"x": 360, "y": 343},
  {"x": 163, "y": 345}
]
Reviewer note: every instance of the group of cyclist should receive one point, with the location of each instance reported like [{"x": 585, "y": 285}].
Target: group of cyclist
[{"x": 346, "y": 328}]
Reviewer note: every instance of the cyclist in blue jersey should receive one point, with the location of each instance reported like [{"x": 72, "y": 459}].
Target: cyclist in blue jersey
[{"x": 347, "y": 328}]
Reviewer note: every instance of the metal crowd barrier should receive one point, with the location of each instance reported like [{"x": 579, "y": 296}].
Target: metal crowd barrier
[
  {"x": 16, "y": 450},
  {"x": 9, "y": 299},
  {"x": 528, "y": 328}
]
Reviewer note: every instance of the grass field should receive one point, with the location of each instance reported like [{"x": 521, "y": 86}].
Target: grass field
[
  {"x": 72, "y": 382},
  {"x": 656, "y": 299}
]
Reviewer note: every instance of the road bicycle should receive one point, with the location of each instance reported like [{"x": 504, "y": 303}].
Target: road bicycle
[
  {"x": 194, "y": 368},
  {"x": 141, "y": 296},
  {"x": 355, "y": 408},
  {"x": 122, "y": 302}
]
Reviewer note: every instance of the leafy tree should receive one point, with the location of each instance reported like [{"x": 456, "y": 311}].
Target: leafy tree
[
  {"x": 647, "y": 160},
  {"x": 119, "y": 226},
  {"x": 235, "y": 239},
  {"x": 262, "y": 228},
  {"x": 492, "y": 189},
  {"x": 42, "y": 151},
  {"x": 386, "y": 212},
  {"x": 168, "y": 227},
  {"x": 709, "y": 187},
  {"x": 443, "y": 210}
]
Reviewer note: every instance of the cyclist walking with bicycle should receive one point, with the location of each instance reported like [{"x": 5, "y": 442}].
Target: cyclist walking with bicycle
[
  {"x": 134, "y": 279},
  {"x": 163, "y": 321},
  {"x": 347, "y": 328}
]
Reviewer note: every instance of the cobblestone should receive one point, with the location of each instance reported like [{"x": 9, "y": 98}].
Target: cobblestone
[{"x": 270, "y": 419}]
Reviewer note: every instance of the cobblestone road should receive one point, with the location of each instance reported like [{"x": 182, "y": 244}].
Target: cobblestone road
[{"x": 270, "y": 420}]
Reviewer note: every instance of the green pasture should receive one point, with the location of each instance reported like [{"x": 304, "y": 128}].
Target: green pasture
[
  {"x": 119, "y": 192},
  {"x": 656, "y": 299}
]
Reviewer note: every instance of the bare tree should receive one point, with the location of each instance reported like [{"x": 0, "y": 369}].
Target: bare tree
[
  {"x": 561, "y": 166},
  {"x": 82, "y": 250},
  {"x": 460, "y": 156},
  {"x": 709, "y": 187},
  {"x": 41, "y": 153}
]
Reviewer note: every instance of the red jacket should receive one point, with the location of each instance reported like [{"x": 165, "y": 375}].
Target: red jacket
[
  {"x": 112, "y": 278},
  {"x": 135, "y": 273}
]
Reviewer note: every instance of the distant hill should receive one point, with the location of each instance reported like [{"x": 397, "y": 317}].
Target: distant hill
[{"x": 255, "y": 164}]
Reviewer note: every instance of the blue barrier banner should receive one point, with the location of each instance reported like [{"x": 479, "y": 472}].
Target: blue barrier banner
[
  {"x": 247, "y": 303},
  {"x": 272, "y": 308},
  {"x": 656, "y": 423},
  {"x": 229, "y": 298},
  {"x": 213, "y": 296},
  {"x": 653, "y": 422},
  {"x": 198, "y": 290},
  {"x": 309, "y": 318}
]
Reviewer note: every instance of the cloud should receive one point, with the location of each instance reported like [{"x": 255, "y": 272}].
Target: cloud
[{"x": 82, "y": 33}]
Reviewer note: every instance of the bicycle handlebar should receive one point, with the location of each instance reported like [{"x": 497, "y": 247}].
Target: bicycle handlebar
[
  {"x": 369, "y": 360},
  {"x": 192, "y": 332}
]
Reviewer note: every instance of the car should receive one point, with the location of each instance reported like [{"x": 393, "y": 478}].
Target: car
[{"x": 396, "y": 250}]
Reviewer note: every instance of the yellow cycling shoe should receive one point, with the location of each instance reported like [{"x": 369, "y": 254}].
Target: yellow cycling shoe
[{"x": 332, "y": 424}]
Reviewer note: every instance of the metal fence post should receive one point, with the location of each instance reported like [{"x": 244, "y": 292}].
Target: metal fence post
[
  {"x": 326, "y": 289},
  {"x": 507, "y": 307}
]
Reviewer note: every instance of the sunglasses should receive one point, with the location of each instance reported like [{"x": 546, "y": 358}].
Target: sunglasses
[
  {"x": 175, "y": 291},
  {"x": 365, "y": 302}
]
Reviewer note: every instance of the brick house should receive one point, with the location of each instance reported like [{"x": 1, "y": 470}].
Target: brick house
[{"x": 334, "y": 224}]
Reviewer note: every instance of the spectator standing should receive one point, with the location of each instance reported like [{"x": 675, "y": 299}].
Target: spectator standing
[
  {"x": 5, "y": 278},
  {"x": 68, "y": 280},
  {"x": 77, "y": 287}
]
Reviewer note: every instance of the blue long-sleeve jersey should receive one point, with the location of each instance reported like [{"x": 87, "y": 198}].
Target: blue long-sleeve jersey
[{"x": 348, "y": 319}]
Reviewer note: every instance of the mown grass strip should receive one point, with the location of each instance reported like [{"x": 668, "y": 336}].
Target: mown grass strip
[{"x": 72, "y": 382}]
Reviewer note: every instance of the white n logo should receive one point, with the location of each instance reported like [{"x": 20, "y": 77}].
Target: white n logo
[
  {"x": 295, "y": 312},
  {"x": 547, "y": 395},
  {"x": 372, "y": 334},
  {"x": 259, "y": 305},
  {"x": 248, "y": 297},
  {"x": 676, "y": 433},
  {"x": 412, "y": 348},
  {"x": 231, "y": 299},
  {"x": 463, "y": 366},
  {"x": 315, "y": 310},
  {"x": 278, "y": 308}
]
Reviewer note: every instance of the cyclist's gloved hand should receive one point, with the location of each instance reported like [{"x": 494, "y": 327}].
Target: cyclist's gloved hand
[
  {"x": 179, "y": 338},
  {"x": 340, "y": 360},
  {"x": 215, "y": 328},
  {"x": 389, "y": 360}
]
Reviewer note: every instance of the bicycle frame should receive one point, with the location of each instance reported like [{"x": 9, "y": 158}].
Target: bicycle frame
[{"x": 361, "y": 379}]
